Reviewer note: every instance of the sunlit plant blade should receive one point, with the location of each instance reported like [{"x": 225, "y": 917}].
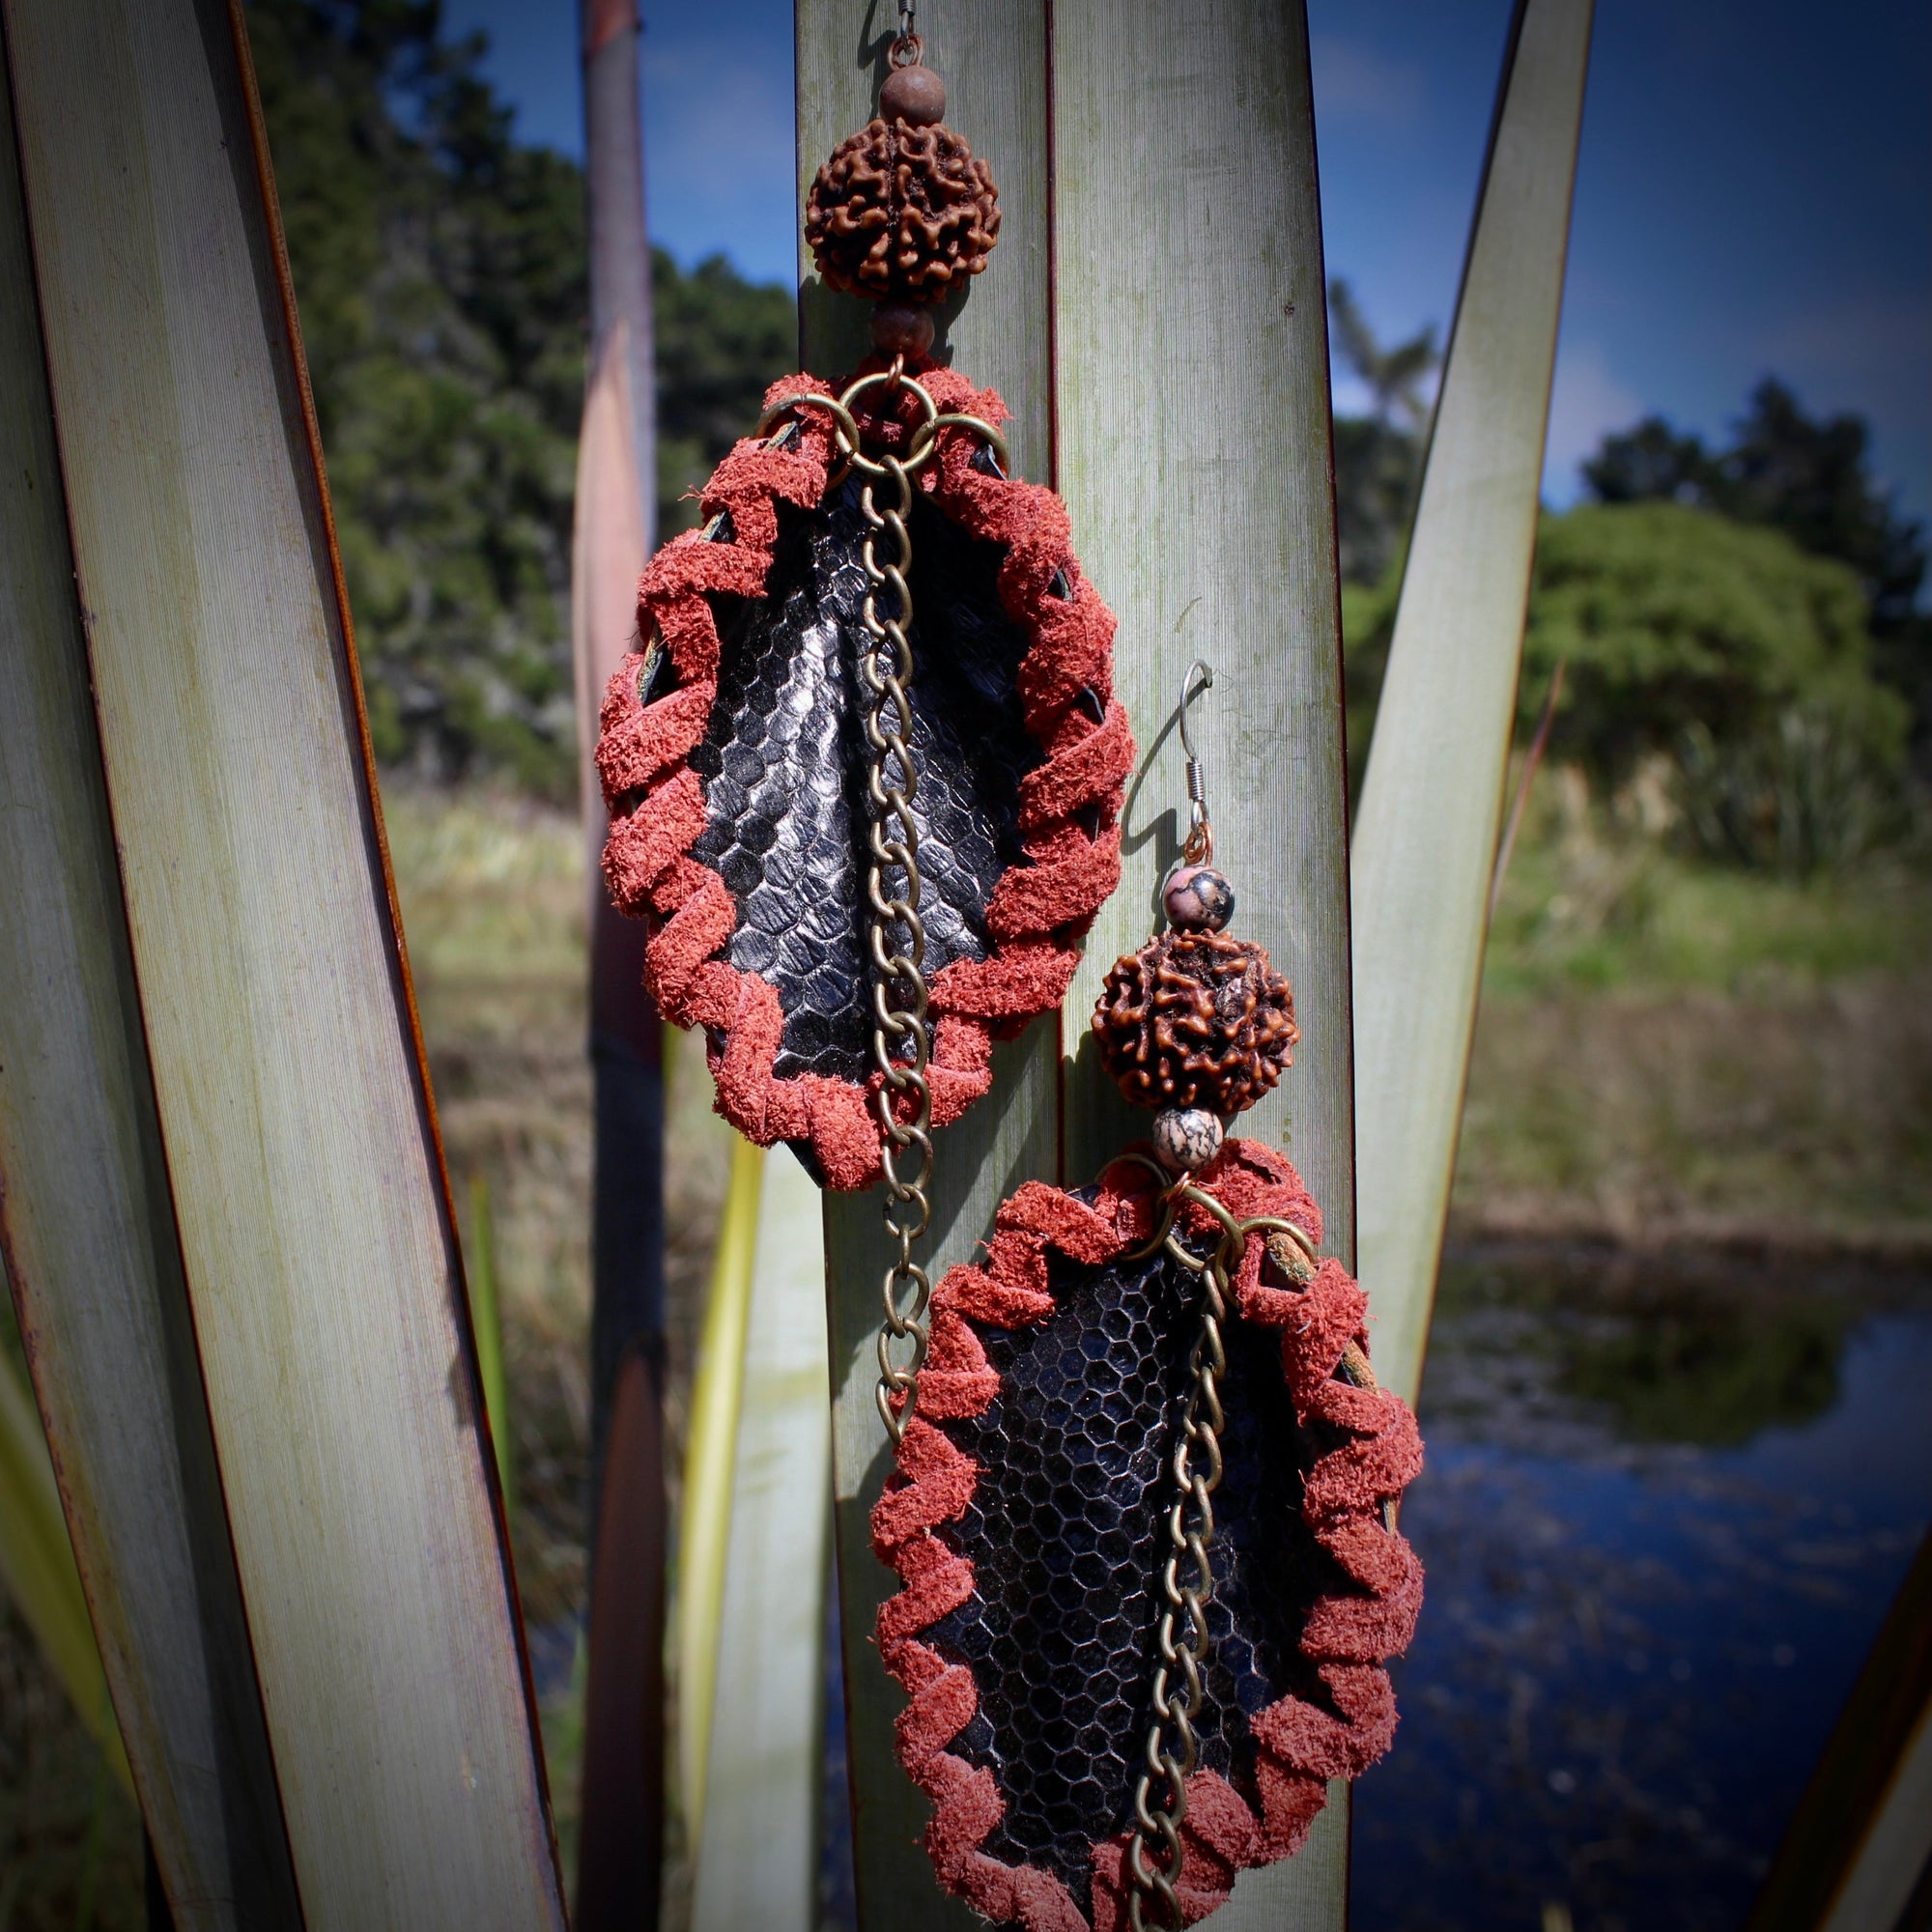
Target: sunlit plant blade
[
  {"x": 1425, "y": 841},
  {"x": 711, "y": 1447},
  {"x": 298, "y": 1146},
  {"x": 756, "y": 1853},
  {"x": 88, "y": 1231}
]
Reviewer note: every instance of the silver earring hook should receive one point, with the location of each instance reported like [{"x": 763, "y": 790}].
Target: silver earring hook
[
  {"x": 1206, "y": 671},
  {"x": 1199, "y": 847}
]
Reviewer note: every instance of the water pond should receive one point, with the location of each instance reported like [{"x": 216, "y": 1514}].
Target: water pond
[{"x": 1667, "y": 1503}]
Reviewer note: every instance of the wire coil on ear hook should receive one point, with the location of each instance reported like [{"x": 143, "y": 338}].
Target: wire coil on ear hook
[{"x": 1199, "y": 850}]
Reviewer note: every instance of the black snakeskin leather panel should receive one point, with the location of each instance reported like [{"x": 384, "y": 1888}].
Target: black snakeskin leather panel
[
  {"x": 784, "y": 768},
  {"x": 1066, "y": 1534}
]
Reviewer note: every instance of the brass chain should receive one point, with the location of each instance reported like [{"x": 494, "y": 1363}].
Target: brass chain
[
  {"x": 1172, "y": 1748},
  {"x": 903, "y": 1096}
]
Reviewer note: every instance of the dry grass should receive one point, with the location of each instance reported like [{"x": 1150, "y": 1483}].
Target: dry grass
[
  {"x": 492, "y": 897},
  {"x": 1658, "y": 1119},
  {"x": 1667, "y": 1052}
]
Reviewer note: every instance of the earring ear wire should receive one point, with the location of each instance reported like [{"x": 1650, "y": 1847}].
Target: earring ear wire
[
  {"x": 1196, "y": 897},
  {"x": 1199, "y": 850}
]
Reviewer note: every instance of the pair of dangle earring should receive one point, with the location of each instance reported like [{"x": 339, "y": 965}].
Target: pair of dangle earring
[
  {"x": 1144, "y": 1509},
  {"x": 865, "y": 776}
]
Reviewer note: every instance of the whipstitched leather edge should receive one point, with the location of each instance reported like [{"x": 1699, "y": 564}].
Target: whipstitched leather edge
[
  {"x": 1300, "y": 1748},
  {"x": 1038, "y": 911}
]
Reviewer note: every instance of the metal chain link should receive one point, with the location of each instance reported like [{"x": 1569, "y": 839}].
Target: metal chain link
[
  {"x": 902, "y": 1030},
  {"x": 1171, "y": 1748},
  {"x": 904, "y": 1097}
]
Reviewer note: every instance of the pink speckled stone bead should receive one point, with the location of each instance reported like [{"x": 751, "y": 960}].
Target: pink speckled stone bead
[{"x": 1199, "y": 899}]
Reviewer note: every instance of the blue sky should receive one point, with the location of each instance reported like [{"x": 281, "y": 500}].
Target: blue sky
[{"x": 1754, "y": 194}]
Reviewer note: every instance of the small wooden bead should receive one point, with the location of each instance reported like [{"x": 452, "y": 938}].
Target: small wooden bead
[
  {"x": 900, "y": 328},
  {"x": 1199, "y": 899},
  {"x": 913, "y": 95},
  {"x": 1187, "y": 1138}
]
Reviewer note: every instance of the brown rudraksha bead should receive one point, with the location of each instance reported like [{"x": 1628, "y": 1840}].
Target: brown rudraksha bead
[
  {"x": 1195, "y": 1019},
  {"x": 902, "y": 214}
]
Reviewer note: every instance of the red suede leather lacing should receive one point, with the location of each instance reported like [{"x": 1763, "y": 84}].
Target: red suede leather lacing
[
  {"x": 1038, "y": 911},
  {"x": 1349, "y": 1638}
]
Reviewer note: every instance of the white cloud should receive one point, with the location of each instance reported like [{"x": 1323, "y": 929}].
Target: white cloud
[
  {"x": 1353, "y": 82},
  {"x": 1585, "y": 402}
]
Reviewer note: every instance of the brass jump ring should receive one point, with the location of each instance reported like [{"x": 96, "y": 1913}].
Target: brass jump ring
[
  {"x": 886, "y": 379},
  {"x": 928, "y": 434},
  {"x": 844, "y": 429}
]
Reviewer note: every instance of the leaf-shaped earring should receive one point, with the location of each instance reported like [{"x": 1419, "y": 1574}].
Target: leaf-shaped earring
[
  {"x": 1145, "y": 1506},
  {"x": 864, "y": 774}
]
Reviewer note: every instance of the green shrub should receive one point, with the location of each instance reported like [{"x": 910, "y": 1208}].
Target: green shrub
[
  {"x": 1800, "y": 797},
  {"x": 1728, "y": 650},
  {"x": 1717, "y": 647},
  {"x": 1671, "y": 618}
]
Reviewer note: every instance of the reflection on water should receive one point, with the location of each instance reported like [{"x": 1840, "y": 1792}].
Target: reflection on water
[{"x": 1667, "y": 1503}]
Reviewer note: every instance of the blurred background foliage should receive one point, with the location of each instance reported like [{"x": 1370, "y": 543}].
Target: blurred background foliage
[
  {"x": 1740, "y": 631},
  {"x": 440, "y": 265}
]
